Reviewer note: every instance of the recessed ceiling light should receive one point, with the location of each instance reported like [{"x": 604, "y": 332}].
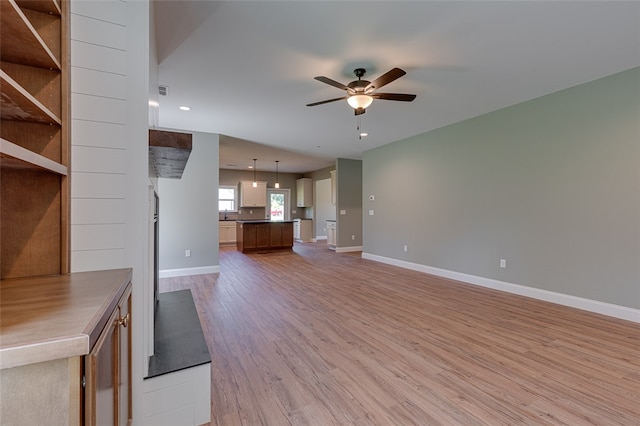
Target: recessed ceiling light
[{"x": 185, "y": 108}]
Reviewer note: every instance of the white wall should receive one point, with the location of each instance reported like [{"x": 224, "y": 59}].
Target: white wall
[
  {"x": 109, "y": 177},
  {"x": 324, "y": 210},
  {"x": 189, "y": 212}
]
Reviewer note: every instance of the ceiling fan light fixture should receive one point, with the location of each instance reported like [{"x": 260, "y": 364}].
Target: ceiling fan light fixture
[
  {"x": 277, "y": 185},
  {"x": 359, "y": 101}
]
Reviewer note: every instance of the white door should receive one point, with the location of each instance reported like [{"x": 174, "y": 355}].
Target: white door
[{"x": 278, "y": 207}]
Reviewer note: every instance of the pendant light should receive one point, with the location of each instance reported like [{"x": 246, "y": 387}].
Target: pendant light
[
  {"x": 277, "y": 185},
  {"x": 255, "y": 182}
]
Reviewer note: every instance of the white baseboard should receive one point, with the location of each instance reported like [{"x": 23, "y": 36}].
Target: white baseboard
[
  {"x": 348, "y": 249},
  {"x": 321, "y": 237},
  {"x": 616, "y": 311},
  {"x": 183, "y": 272}
]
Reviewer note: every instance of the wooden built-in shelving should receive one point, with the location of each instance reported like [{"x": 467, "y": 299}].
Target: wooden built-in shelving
[
  {"x": 34, "y": 138},
  {"x": 21, "y": 42},
  {"x": 15, "y": 156},
  {"x": 19, "y": 104}
]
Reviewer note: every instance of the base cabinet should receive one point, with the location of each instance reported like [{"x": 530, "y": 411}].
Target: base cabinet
[
  {"x": 252, "y": 236},
  {"x": 331, "y": 234},
  {"x": 69, "y": 361},
  {"x": 303, "y": 230},
  {"x": 108, "y": 371},
  {"x": 227, "y": 232}
]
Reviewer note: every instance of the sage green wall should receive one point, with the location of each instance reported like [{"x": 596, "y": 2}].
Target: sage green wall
[
  {"x": 189, "y": 208},
  {"x": 551, "y": 185},
  {"x": 349, "y": 199}
]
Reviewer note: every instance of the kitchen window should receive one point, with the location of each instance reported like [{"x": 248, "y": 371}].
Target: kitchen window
[{"x": 227, "y": 198}]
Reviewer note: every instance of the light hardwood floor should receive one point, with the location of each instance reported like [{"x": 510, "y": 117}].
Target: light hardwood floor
[{"x": 313, "y": 337}]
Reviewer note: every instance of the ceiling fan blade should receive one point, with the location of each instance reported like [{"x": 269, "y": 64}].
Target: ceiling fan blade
[
  {"x": 385, "y": 79},
  {"x": 327, "y": 101},
  {"x": 405, "y": 97},
  {"x": 360, "y": 111},
  {"x": 331, "y": 82}
]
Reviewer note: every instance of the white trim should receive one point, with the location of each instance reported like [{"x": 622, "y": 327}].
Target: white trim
[
  {"x": 348, "y": 249},
  {"x": 320, "y": 238},
  {"x": 616, "y": 311},
  {"x": 183, "y": 272}
]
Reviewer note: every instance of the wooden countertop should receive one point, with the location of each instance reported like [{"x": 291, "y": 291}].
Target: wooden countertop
[{"x": 53, "y": 317}]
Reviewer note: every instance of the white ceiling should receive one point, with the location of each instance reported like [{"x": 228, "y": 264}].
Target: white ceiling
[{"x": 247, "y": 68}]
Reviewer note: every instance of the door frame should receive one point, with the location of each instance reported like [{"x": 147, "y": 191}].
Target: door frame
[{"x": 287, "y": 202}]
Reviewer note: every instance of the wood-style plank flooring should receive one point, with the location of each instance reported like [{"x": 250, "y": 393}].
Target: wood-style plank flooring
[{"x": 313, "y": 337}]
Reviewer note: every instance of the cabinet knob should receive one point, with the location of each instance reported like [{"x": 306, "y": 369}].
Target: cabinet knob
[{"x": 124, "y": 321}]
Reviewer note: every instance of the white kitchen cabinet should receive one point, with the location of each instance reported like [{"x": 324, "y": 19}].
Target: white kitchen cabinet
[
  {"x": 304, "y": 192},
  {"x": 227, "y": 232},
  {"x": 253, "y": 197},
  {"x": 303, "y": 230},
  {"x": 331, "y": 234}
]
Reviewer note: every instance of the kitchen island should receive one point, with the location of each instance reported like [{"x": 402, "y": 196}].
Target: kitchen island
[{"x": 256, "y": 235}]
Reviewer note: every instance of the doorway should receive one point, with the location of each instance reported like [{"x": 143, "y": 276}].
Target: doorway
[{"x": 278, "y": 204}]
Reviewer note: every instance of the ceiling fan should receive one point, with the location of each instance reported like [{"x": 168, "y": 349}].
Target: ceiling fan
[{"x": 361, "y": 93}]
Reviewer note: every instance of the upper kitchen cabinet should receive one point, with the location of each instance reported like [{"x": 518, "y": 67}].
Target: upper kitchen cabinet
[
  {"x": 253, "y": 197},
  {"x": 34, "y": 138},
  {"x": 304, "y": 192}
]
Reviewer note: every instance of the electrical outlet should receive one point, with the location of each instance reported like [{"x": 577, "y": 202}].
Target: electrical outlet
[
  {"x": 370, "y": 212},
  {"x": 187, "y": 253},
  {"x": 406, "y": 249},
  {"x": 503, "y": 263},
  {"x": 343, "y": 212},
  {"x": 250, "y": 211},
  {"x": 353, "y": 237}
]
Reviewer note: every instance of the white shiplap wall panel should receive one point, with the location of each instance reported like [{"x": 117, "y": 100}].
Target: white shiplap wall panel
[
  {"x": 88, "y": 211},
  {"x": 98, "y": 134},
  {"x": 98, "y": 83},
  {"x": 98, "y": 237},
  {"x": 97, "y": 108},
  {"x": 98, "y": 160},
  {"x": 97, "y": 185},
  {"x": 96, "y": 31},
  {"x": 95, "y": 260},
  {"x": 108, "y": 11},
  {"x": 94, "y": 57}
]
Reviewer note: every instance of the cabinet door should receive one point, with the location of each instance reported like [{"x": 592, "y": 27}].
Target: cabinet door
[
  {"x": 108, "y": 371},
  {"x": 249, "y": 233},
  {"x": 100, "y": 371},
  {"x": 263, "y": 235},
  {"x": 287, "y": 234},
  {"x": 276, "y": 235},
  {"x": 253, "y": 197},
  {"x": 124, "y": 408}
]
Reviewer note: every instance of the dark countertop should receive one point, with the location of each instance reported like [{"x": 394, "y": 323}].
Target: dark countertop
[
  {"x": 264, "y": 221},
  {"x": 178, "y": 341}
]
